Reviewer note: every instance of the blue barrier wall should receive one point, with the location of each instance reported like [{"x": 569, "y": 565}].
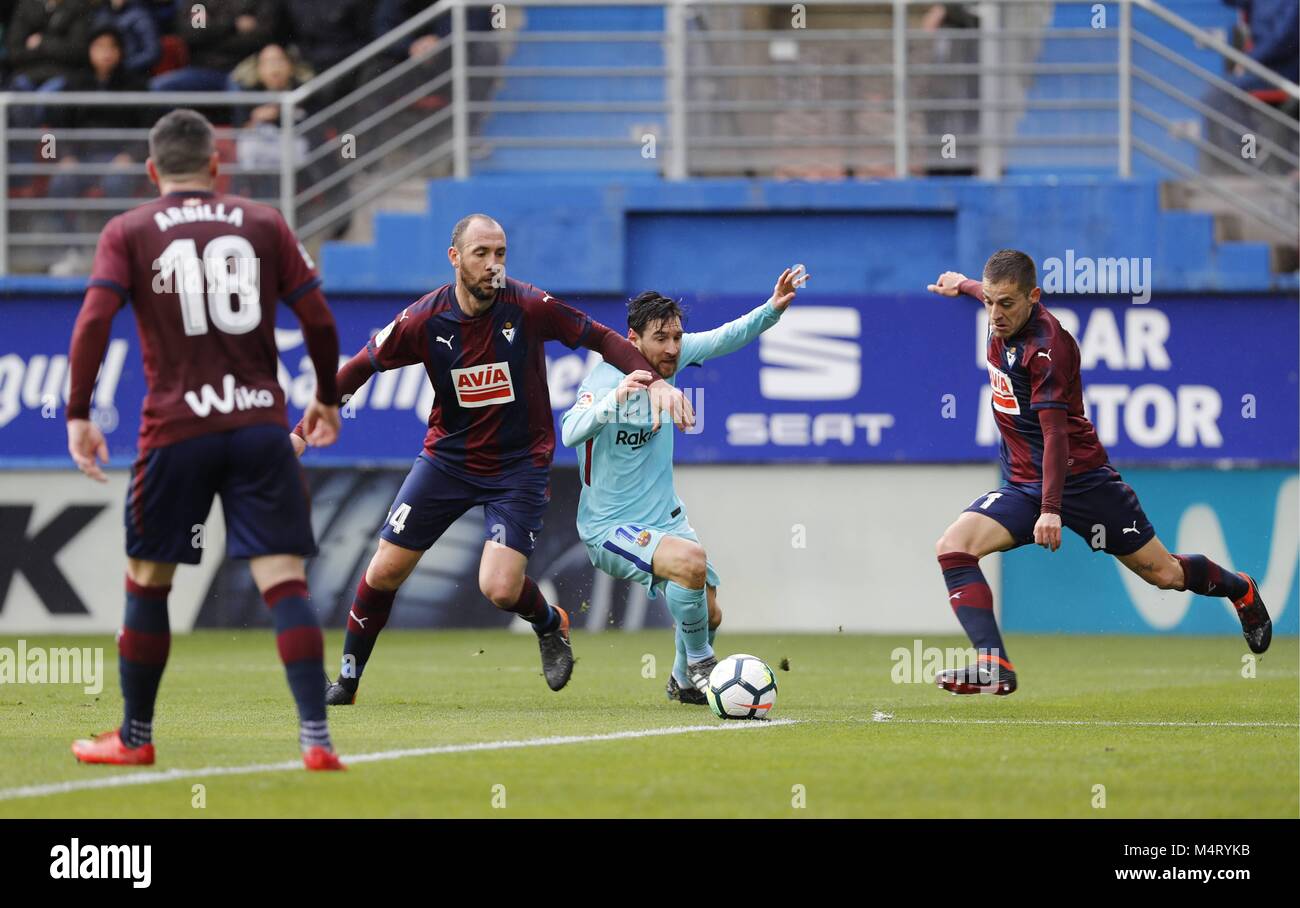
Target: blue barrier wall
[
  {"x": 843, "y": 378},
  {"x": 592, "y": 236}
]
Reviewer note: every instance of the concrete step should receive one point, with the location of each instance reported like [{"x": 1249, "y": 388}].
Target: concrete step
[{"x": 1232, "y": 224}]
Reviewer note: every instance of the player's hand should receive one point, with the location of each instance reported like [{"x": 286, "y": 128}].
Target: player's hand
[
  {"x": 87, "y": 446},
  {"x": 1047, "y": 531},
  {"x": 298, "y": 442},
  {"x": 790, "y": 282},
  {"x": 664, "y": 398},
  {"x": 321, "y": 423},
  {"x": 632, "y": 383},
  {"x": 948, "y": 284}
]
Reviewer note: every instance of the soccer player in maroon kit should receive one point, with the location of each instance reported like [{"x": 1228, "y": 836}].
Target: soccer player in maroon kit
[
  {"x": 490, "y": 440},
  {"x": 202, "y": 272},
  {"x": 1054, "y": 471}
]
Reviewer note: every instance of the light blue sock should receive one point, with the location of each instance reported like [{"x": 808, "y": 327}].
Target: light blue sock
[
  {"x": 679, "y": 664},
  {"x": 691, "y": 612}
]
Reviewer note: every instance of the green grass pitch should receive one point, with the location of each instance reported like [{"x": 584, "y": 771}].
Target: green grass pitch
[{"x": 1169, "y": 726}]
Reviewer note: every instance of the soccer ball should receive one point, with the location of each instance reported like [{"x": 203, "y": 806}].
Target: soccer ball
[{"x": 742, "y": 687}]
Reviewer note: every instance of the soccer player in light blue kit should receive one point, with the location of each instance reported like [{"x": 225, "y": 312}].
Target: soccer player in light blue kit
[{"x": 629, "y": 516}]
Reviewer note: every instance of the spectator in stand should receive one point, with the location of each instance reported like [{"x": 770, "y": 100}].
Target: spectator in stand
[
  {"x": 259, "y": 142},
  {"x": 326, "y": 33},
  {"x": 6, "y": 16},
  {"x": 106, "y": 72},
  {"x": 163, "y": 13},
  {"x": 140, "y": 43},
  {"x": 47, "y": 42},
  {"x": 219, "y": 34},
  {"x": 1273, "y": 29}
]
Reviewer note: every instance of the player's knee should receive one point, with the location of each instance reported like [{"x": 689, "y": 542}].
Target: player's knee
[
  {"x": 500, "y": 591},
  {"x": 950, "y": 541},
  {"x": 695, "y": 567}
]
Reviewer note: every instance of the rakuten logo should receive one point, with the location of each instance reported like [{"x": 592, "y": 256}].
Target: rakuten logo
[{"x": 232, "y": 398}]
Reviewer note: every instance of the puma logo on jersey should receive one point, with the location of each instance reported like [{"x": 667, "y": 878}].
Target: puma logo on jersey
[
  {"x": 483, "y": 386},
  {"x": 405, "y": 314},
  {"x": 1047, "y": 353},
  {"x": 445, "y": 340},
  {"x": 1004, "y": 394},
  {"x": 232, "y": 398},
  {"x": 547, "y": 296},
  {"x": 1132, "y": 529}
]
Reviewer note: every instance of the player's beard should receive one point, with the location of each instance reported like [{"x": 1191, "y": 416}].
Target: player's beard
[{"x": 481, "y": 293}]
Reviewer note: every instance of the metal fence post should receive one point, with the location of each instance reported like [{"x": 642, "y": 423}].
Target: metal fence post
[
  {"x": 675, "y": 14},
  {"x": 4, "y": 190},
  {"x": 990, "y": 167},
  {"x": 288, "y": 167},
  {"x": 1125, "y": 76},
  {"x": 459, "y": 92},
  {"x": 900, "y": 88}
]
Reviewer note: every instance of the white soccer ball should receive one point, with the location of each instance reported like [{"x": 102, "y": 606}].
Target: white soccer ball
[{"x": 742, "y": 687}]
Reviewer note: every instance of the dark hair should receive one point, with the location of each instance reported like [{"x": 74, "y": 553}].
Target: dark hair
[
  {"x": 1011, "y": 265},
  {"x": 106, "y": 28},
  {"x": 458, "y": 232},
  {"x": 651, "y": 307},
  {"x": 181, "y": 143}
]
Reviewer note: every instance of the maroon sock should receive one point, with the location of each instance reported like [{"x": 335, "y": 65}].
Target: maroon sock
[
  {"x": 1204, "y": 577},
  {"x": 367, "y": 617},
  {"x": 533, "y": 608}
]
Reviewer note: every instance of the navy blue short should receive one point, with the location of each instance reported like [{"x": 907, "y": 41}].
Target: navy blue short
[
  {"x": 1098, "y": 505},
  {"x": 263, "y": 493},
  {"x": 432, "y": 499}
]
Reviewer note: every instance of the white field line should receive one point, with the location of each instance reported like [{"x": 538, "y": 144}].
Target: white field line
[
  {"x": 171, "y": 775},
  {"x": 1081, "y": 723}
]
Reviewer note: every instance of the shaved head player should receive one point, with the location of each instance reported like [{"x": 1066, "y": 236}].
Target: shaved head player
[
  {"x": 1055, "y": 472},
  {"x": 490, "y": 441}
]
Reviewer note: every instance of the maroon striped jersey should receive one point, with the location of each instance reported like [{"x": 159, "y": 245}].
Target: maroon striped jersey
[
  {"x": 202, "y": 273},
  {"x": 1035, "y": 369},
  {"x": 492, "y": 408}
]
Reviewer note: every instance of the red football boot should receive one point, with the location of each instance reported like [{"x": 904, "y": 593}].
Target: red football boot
[
  {"x": 108, "y": 748},
  {"x": 318, "y": 759}
]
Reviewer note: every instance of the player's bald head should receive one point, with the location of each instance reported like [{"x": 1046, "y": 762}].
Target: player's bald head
[
  {"x": 181, "y": 144},
  {"x": 476, "y": 228}
]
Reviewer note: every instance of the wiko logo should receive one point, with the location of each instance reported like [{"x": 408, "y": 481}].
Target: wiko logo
[
  {"x": 231, "y": 398},
  {"x": 812, "y": 354},
  {"x": 103, "y": 862}
]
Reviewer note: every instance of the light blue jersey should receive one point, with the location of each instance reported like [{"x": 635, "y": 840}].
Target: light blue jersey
[{"x": 628, "y": 501}]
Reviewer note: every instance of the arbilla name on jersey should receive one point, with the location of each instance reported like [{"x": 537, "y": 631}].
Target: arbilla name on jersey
[
  {"x": 1004, "y": 395},
  {"x": 483, "y": 386}
]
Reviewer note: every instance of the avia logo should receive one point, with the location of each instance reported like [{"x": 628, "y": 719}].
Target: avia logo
[
  {"x": 1199, "y": 530},
  {"x": 483, "y": 386},
  {"x": 1004, "y": 395},
  {"x": 634, "y": 438},
  {"x": 813, "y": 353},
  {"x": 232, "y": 398}
]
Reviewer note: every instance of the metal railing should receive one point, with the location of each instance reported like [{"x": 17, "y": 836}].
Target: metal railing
[{"x": 816, "y": 90}]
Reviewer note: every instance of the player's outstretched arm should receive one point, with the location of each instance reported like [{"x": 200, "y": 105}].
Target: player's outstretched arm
[
  {"x": 730, "y": 337},
  {"x": 86, "y": 442},
  {"x": 597, "y": 407},
  {"x": 954, "y": 283}
]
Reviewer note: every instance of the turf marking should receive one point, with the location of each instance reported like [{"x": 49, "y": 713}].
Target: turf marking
[
  {"x": 151, "y": 777},
  {"x": 1082, "y": 723}
]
